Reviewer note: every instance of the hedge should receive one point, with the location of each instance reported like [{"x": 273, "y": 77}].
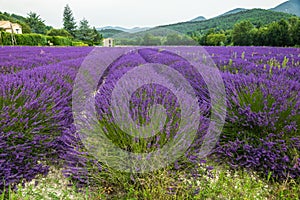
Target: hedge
[
  {"x": 81, "y": 44},
  {"x": 5, "y": 38},
  {"x": 31, "y": 39},
  {"x": 34, "y": 39}
]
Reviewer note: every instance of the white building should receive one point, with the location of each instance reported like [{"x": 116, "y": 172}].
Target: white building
[
  {"x": 11, "y": 27},
  {"x": 108, "y": 42}
]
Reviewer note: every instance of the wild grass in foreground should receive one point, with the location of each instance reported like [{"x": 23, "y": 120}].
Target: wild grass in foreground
[{"x": 219, "y": 183}]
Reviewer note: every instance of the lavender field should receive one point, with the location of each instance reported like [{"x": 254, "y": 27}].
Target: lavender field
[{"x": 37, "y": 131}]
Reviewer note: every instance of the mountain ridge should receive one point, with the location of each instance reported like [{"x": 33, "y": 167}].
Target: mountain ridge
[
  {"x": 255, "y": 16},
  {"x": 291, "y": 7},
  {"x": 200, "y": 18},
  {"x": 288, "y": 7},
  {"x": 128, "y": 30},
  {"x": 233, "y": 11}
]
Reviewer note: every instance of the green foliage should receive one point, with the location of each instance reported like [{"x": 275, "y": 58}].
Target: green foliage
[
  {"x": 127, "y": 41},
  {"x": 108, "y": 33},
  {"x": 59, "y": 32},
  {"x": 172, "y": 39},
  {"x": 69, "y": 21},
  {"x": 5, "y": 38},
  {"x": 255, "y": 16},
  {"x": 281, "y": 33},
  {"x": 294, "y": 30},
  {"x": 97, "y": 40},
  {"x": 216, "y": 39},
  {"x": 32, "y": 39},
  {"x": 203, "y": 39},
  {"x": 80, "y": 44},
  {"x": 278, "y": 34},
  {"x": 60, "y": 37},
  {"x": 16, "y": 19},
  {"x": 220, "y": 183},
  {"x": 36, "y": 23},
  {"x": 176, "y": 39},
  {"x": 241, "y": 34},
  {"x": 150, "y": 40},
  {"x": 60, "y": 41},
  {"x": 25, "y": 27},
  {"x": 87, "y": 34},
  {"x": 84, "y": 32}
]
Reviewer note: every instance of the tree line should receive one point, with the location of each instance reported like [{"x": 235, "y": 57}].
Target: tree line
[
  {"x": 278, "y": 33},
  {"x": 285, "y": 32},
  {"x": 148, "y": 39}
]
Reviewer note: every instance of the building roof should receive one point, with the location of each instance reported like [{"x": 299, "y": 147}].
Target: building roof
[
  {"x": 5, "y": 24},
  {"x": 8, "y": 24}
]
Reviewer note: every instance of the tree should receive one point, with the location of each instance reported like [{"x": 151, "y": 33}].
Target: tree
[
  {"x": 173, "y": 39},
  {"x": 188, "y": 41},
  {"x": 36, "y": 23},
  {"x": 285, "y": 39},
  {"x": 228, "y": 40},
  {"x": 278, "y": 33},
  {"x": 241, "y": 33},
  {"x": 216, "y": 39},
  {"x": 69, "y": 21},
  {"x": 296, "y": 34},
  {"x": 25, "y": 27},
  {"x": 59, "y": 32},
  {"x": 260, "y": 37},
  {"x": 85, "y": 32},
  {"x": 294, "y": 30},
  {"x": 150, "y": 40},
  {"x": 97, "y": 37},
  {"x": 203, "y": 39}
]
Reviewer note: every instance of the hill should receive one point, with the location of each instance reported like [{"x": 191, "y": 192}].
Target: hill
[
  {"x": 128, "y": 30},
  {"x": 256, "y": 16},
  {"x": 200, "y": 18},
  {"x": 237, "y": 10},
  {"x": 108, "y": 33},
  {"x": 291, "y": 7}
]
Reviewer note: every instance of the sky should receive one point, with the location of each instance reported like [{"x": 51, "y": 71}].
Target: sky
[{"x": 130, "y": 13}]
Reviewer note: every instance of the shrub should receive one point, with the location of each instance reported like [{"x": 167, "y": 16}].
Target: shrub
[
  {"x": 60, "y": 41},
  {"x": 5, "y": 38},
  {"x": 36, "y": 114},
  {"x": 261, "y": 131},
  {"x": 59, "y": 32},
  {"x": 81, "y": 44},
  {"x": 31, "y": 122}
]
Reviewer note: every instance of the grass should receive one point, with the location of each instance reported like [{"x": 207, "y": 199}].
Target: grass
[{"x": 220, "y": 183}]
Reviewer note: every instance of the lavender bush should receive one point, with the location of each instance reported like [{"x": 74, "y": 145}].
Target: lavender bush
[
  {"x": 262, "y": 129},
  {"x": 35, "y": 110}
]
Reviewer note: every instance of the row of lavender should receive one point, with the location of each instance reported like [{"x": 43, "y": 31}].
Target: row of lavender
[
  {"x": 35, "y": 104},
  {"x": 36, "y": 124},
  {"x": 263, "y": 120}
]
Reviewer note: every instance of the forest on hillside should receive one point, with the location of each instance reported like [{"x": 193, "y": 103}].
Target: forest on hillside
[{"x": 285, "y": 32}]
